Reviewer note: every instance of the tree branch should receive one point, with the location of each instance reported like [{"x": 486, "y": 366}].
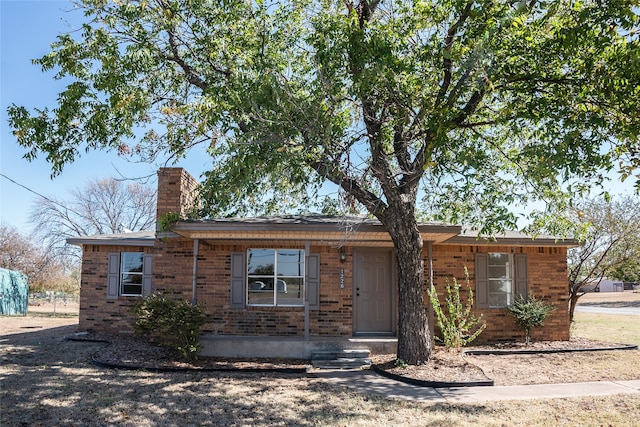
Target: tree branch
[
  {"x": 471, "y": 106},
  {"x": 365, "y": 10},
  {"x": 373, "y": 203},
  {"x": 189, "y": 72},
  {"x": 447, "y": 63},
  {"x": 477, "y": 124},
  {"x": 400, "y": 148}
]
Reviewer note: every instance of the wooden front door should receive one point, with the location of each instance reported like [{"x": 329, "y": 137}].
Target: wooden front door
[{"x": 372, "y": 293}]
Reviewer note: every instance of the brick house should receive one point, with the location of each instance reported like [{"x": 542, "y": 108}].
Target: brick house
[{"x": 277, "y": 286}]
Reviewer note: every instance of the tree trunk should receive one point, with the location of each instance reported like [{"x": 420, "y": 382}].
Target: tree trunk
[
  {"x": 573, "y": 300},
  {"x": 414, "y": 341}
]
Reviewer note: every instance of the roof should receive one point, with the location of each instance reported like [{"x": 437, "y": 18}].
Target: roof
[
  {"x": 138, "y": 238},
  {"x": 512, "y": 238},
  {"x": 322, "y": 229}
]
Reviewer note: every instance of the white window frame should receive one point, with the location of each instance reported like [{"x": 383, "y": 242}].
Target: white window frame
[
  {"x": 509, "y": 276},
  {"x": 124, "y": 271},
  {"x": 280, "y": 280}
]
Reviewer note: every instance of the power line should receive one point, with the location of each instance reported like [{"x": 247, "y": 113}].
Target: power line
[{"x": 66, "y": 208}]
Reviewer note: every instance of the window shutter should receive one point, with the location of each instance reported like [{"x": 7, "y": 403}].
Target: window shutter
[
  {"x": 147, "y": 274},
  {"x": 482, "y": 280},
  {"x": 238, "y": 279},
  {"x": 313, "y": 281},
  {"x": 113, "y": 276},
  {"x": 522, "y": 275}
]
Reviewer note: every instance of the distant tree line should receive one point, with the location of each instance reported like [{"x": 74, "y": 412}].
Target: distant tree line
[{"x": 102, "y": 206}]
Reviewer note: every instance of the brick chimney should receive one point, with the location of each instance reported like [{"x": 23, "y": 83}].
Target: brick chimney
[{"x": 176, "y": 193}]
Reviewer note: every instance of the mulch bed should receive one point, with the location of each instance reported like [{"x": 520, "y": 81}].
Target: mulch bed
[
  {"x": 131, "y": 352},
  {"x": 574, "y": 344},
  {"x": 446, "y": 367},
  {"x": 449, "y": 367}
]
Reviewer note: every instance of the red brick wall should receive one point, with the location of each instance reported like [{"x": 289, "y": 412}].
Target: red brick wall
[
  {"x": 334, "y": 318},
  {"x": 173, "y": 272},
  {"x": 547, "y": 270},
  {"x": 96, "y": 311},
  {"x": 173, "y": 268},
  {"x": 176, "y": 192}
]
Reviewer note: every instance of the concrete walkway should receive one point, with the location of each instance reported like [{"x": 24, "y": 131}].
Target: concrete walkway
[{"x": 370, "y": 382}]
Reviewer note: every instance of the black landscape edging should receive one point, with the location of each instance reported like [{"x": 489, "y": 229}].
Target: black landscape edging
[
  {"x": 490, "y": 382},
  {"x": 412, "y": 381},
  {"x": 126, "y": 367},
  {"x": 67, "y": 338},
  {"x": 547, "y": 351},
  {"x": 110, "y": 365},
  {"x": 432, "y": 384}
]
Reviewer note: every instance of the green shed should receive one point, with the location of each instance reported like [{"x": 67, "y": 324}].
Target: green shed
[{"x": 14, "y": 292}]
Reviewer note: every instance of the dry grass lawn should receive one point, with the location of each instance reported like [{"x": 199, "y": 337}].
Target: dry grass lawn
[
  {"x": 46, "y": 381},
  {"x": 574, "y": 367},
  {"x": 616, "y": 328}
]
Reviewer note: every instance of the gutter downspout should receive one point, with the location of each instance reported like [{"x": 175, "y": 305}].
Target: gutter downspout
[
  {"x": 194, "y": 297},
  {"x": 430, "y": 284},
  {"x": 307, "y": 248}
]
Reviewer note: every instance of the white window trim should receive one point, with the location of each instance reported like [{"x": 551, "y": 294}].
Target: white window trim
[
  {"x": 511, "y": 278},
  {"x": 135, "y": 273},
  {"x": 276, "y": 278}
]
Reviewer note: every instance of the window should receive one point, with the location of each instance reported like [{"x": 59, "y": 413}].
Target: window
[
  {"x": 499, "y": 277},
  {"x": 131, "y": 264},
  {"x": 240, "y": 284},
  {"x": 500, "y": 280},
  {"x": 275, "y": 277},
  {"x": 129, "y": 274}
]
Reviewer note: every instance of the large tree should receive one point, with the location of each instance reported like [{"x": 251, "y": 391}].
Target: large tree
[
  {"x": 102, "y": 206},
  {"x": 487, "y": 103},
  {"x": 608, "y": 231}
]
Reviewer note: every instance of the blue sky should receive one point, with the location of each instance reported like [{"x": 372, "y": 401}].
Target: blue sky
[{"x": 27, "y": 28}]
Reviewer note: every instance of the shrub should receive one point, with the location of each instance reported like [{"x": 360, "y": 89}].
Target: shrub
[
  {"x": 175, "y": 323},
  {"x": 401, "y": 364},
  {"x": 529, "y": 313},
  {"x": 458, "y": 325}
]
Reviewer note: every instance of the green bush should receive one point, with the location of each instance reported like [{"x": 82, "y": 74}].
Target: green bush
[
  {"x": 458, "y": 325},
  {"x": 175, "y": 323},
  {"x": 401, "y": 364},
  {"x": 529, "y": 313}
]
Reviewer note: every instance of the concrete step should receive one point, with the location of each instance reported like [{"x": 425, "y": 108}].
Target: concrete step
[
  {"x": 342, "y": 364},
  {"x": 333, "y": 354},
  {"x": 341, "y": 359}
]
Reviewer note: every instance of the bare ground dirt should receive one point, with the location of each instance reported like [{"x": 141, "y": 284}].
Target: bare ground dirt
[
  {"x": 445, "y": 366},
  {"x": 46, "y": 380}
]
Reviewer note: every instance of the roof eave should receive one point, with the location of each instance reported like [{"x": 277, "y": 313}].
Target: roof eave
[
  {"x": 513, "y": 241},
  {"x": 113, "y": 240},
  {"x": 313, "y": 232}
]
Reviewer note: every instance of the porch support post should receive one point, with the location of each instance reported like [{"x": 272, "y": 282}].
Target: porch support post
[
  {"x": 307, "y": 248},
  {"x": 194, "y": 297},
  {"x": 430, "y": 284}
]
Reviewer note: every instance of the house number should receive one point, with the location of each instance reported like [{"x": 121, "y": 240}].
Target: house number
[{"x": 342, "y": 278}]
